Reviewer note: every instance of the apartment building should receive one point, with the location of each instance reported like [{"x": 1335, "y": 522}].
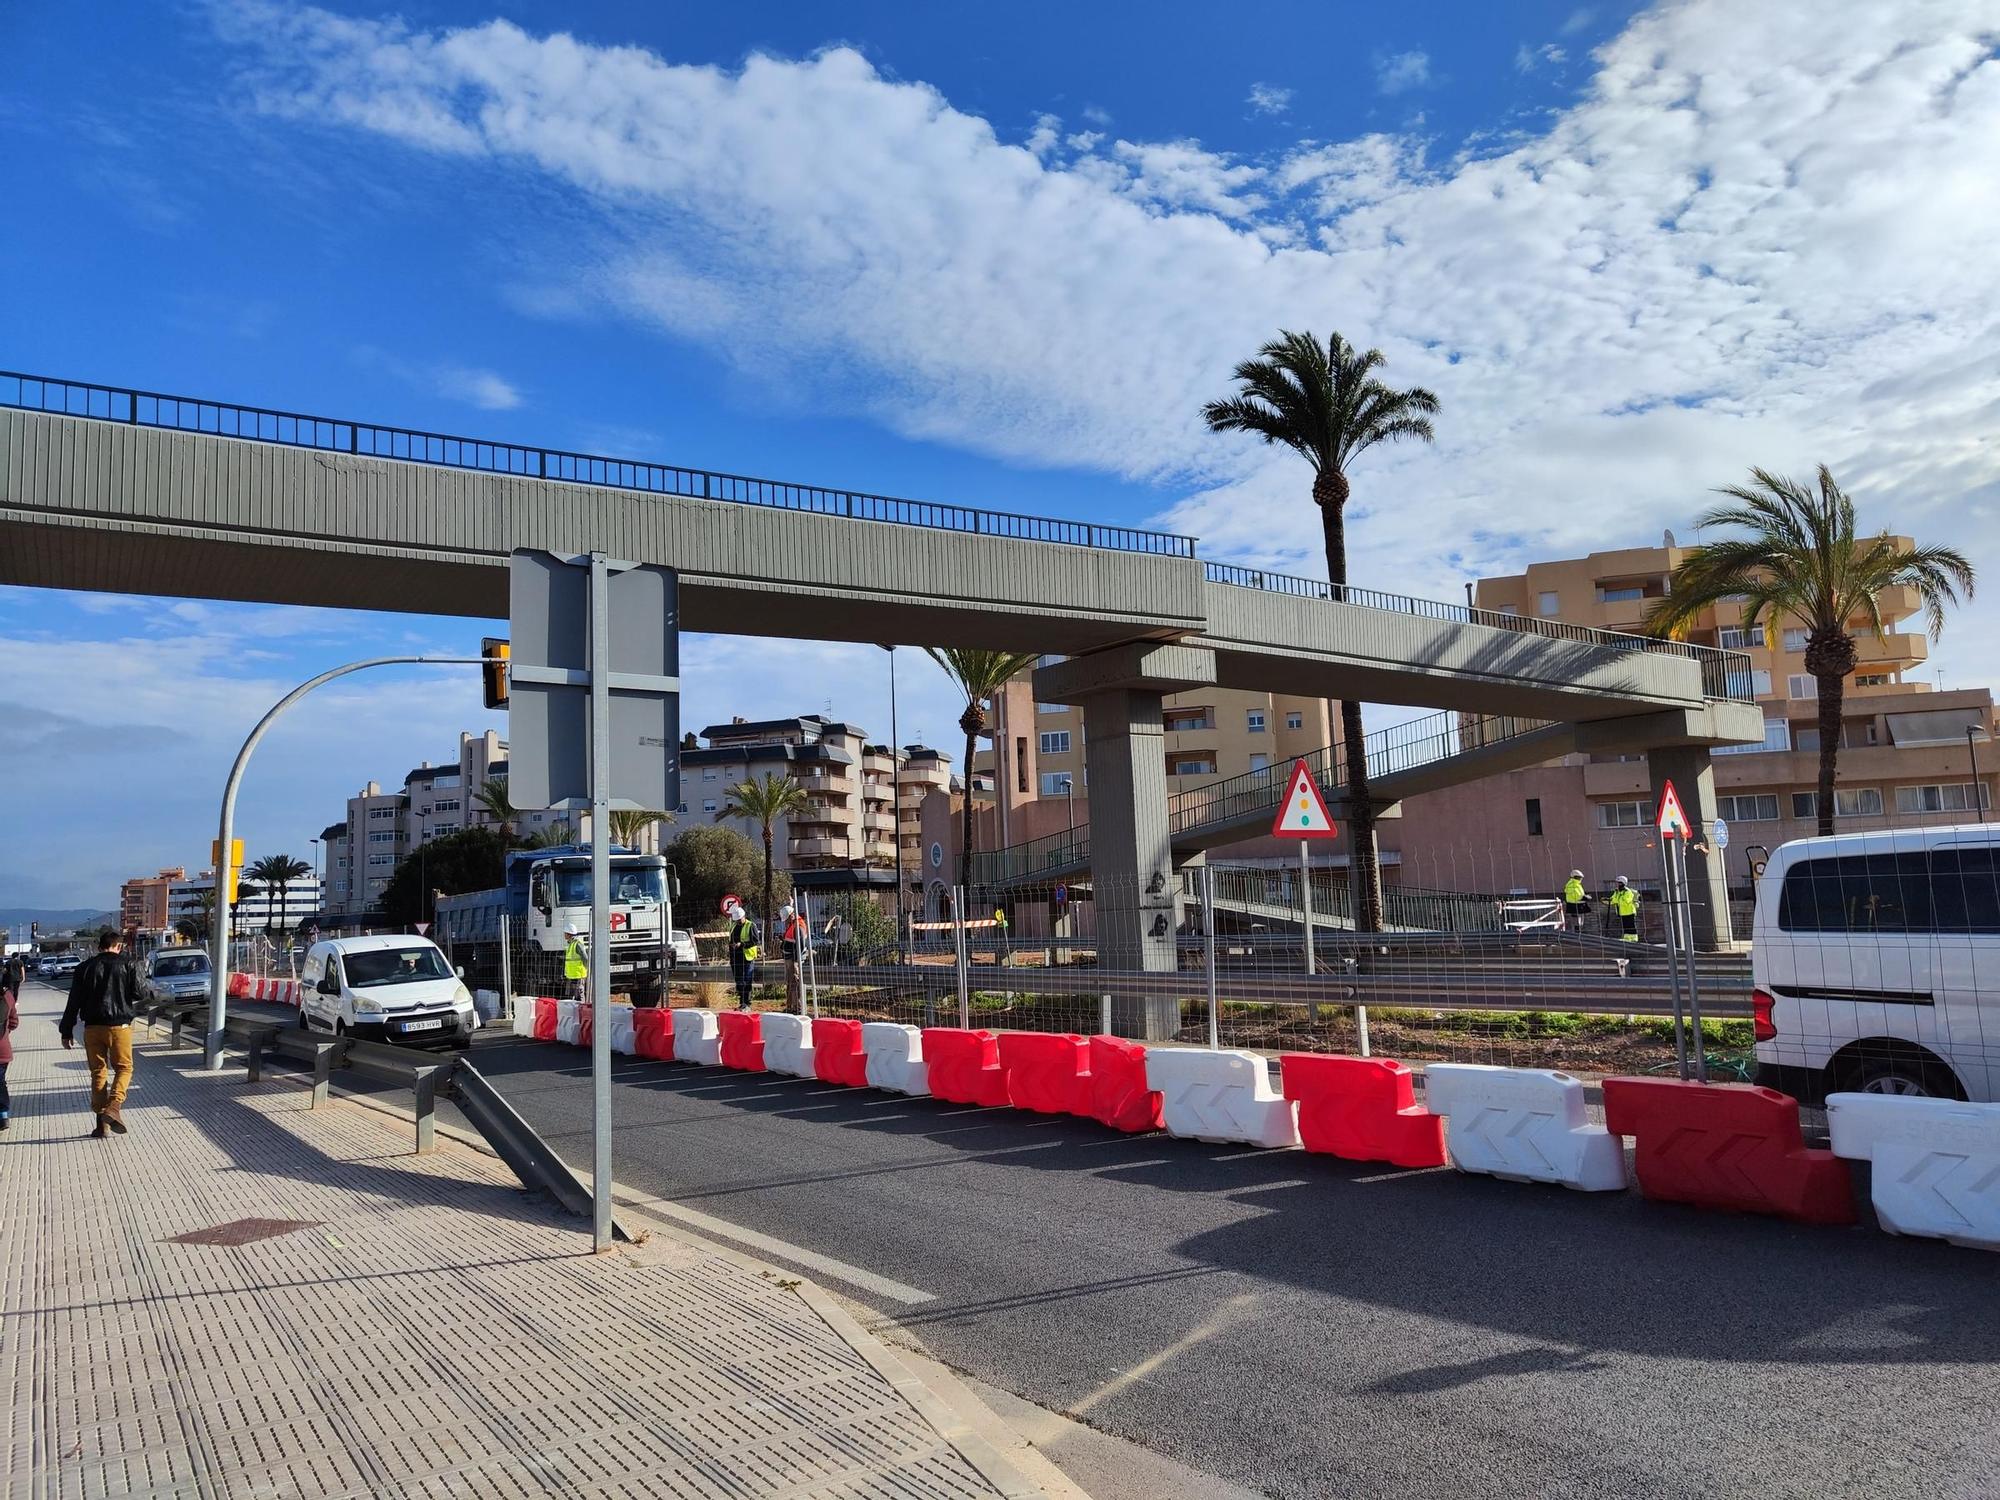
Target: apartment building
[
  {"x": 258, "y": 907},
  {"x": 144, "y": 901}
]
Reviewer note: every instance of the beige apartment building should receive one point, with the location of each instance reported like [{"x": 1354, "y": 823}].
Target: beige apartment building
[{"x": 143, "y": 902}]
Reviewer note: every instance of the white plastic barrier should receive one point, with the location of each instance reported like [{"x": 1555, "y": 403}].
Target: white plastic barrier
[
  {"x": 569, "y": 1021},
  {"x": 621, "y": 1030},
  {"x": 486, "y": 1005},
  {"x": 1220, "y": 1096},
  {"x": 524, "y": 1016},
  {"x": 696, "y": 1039},
  {"x": 1937, "y": 1163},
  {"x": 895, "y": 1058},
  {"x": 788, "y": 1045},
  {"x": 1524, "y": 1124}
]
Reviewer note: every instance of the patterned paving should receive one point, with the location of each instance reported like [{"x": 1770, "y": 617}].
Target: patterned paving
[{"x": 427, "y": 1333}]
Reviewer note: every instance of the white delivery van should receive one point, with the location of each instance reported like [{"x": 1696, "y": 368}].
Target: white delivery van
[
  {"x": 1875, "y": 963},
  {"x": 390, "y": 988}
]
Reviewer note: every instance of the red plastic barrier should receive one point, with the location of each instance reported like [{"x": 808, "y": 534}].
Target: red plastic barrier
[
  {"x": 545, "y": 1019},
  {"x": 239, "y": 986},
  {"x": 653, "y": 1033},
  {"x": 1118, "y": 1093},
  {"x": 586, "y": 1024},
  {"x": 742, "y": 1033},
  {"x": 1727, "y": 1145},
  {"x": 965, "y": 1066},
  {"x": 1363, "y": 1109},
  {"x": 837, "y": 1054},
  {"x": 1048, "y": 1072}
]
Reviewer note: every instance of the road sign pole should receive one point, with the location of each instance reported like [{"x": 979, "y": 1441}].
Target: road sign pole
[
  {"x": 1673, "y": 953},
  {"x": 1208, "y": 948},
  {"x": 1688, "y": 952},
  {"x": 1306, "y": 898},
  {"x": 600, "y": 902}
]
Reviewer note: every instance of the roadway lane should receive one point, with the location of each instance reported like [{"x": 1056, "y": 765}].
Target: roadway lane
[{"x": 1309, "y": 1328}]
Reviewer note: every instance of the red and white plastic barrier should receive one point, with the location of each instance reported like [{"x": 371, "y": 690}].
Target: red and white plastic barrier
[
  {"x": 653, "y": 1034},
  {"x": 618, "y": 1021},
  {"x": 1937, "y": 1163},
  {"x": 696, "y": 1038},
  {"x": 524, "y": 1016},
  {"x": 1047, "y": 1072},
  {"x": 895, "y": 1058},
  {"x": 271, "y": 990},
  {"x": 837, "y": 1053},
  {"x": 964, "y": 1066},
  {"x": 788, "y": 1045},
  {"x": 740, "y": 1040},
  {"x": 569, "y": 1022},
  {"x": 1362, "y": 1109},
  {"x": 1220, "y": 1096},
  {"x": 1523, "y": 1124}
]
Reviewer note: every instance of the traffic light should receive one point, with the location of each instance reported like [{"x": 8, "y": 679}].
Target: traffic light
[{"x": 493, "y": 670}]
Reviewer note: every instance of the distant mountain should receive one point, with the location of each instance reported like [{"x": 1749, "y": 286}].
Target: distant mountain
[{"x": 16, "y": 919}]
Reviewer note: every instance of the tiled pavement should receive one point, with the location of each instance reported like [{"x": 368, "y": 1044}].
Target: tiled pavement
[{"x": 414, "y": 1328}]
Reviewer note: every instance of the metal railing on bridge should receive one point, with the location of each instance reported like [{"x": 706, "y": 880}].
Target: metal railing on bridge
[{"x": 1724, "y": 674}]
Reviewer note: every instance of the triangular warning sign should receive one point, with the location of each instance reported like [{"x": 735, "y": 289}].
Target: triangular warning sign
[
  {"x": 1672, "y": 822},
  {"x": 1303, "y": 814}
]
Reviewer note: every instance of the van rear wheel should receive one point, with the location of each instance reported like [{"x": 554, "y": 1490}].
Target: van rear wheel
[{"x": 1907, "y": 1077}]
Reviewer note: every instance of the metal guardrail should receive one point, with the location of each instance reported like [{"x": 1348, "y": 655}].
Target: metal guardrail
[
  {"x": 1724, "y": 674},
  {"x": 113, "y": 403}
]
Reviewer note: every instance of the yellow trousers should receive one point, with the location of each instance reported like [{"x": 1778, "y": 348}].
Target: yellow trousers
[{"x": 108, "y": 1049}]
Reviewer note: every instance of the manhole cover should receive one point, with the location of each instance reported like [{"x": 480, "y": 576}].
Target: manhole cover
[{"x": 241, "y": 1232}]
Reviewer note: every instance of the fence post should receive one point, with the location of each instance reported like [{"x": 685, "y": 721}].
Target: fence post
[
  {"x": 1208, "y": 948},
  {"x": 506, "y": 966},
  {"x": 1104, "y": 1015},
  {"x": 960, "y": 958}
]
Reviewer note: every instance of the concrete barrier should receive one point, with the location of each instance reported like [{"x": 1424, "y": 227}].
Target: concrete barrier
[
  {"x": 569, "y": 1021},
  {"x": 524, "y": 1016},
  {"x": 696, "y": 1038},
  {"x": 788, "y": 1045},
  {"x": 623, "y": 1038},
  {"x": 1937, "y": 1163},
  {"x": 1220, "y": 1096},
  {"x": 1523, "y": 1124},
  {"x": 895, "y": 1057}
]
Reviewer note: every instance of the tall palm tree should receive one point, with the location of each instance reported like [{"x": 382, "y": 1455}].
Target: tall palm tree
[
  {"x": 763, "y": 800},
  {"x": 277, "y": 872},
  {"x": 1325, "y": 404},
  {"x": 1803, "y": 562},
  {"x": 979, "y": 675},
  {"x": 492, "y": 796},
  {"x": 554, "y": 836},
  {"x": 627, "y": 824}
]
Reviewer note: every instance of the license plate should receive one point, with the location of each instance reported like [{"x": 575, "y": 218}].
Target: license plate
[{"x": 423, "y": 1026}]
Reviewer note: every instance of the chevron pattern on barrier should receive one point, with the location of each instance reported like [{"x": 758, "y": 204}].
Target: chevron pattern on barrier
[
  {"x": 788, "y": 1045},
  {"x": 1937, "y": 1163},
  {"x": 1220, "y": 1096},
  {"x": 740, "y": 1043},
  {"x": 895, "y": 1058},
  {"x": 697, "y": 1038},
  {"x": 1524, "y": 1125},
  {"x": 623, "y": 1030}
]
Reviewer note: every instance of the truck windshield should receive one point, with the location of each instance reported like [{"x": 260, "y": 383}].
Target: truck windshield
[
  {"x": 373, "y": 966},
  {"x": 635, "y": 883}
]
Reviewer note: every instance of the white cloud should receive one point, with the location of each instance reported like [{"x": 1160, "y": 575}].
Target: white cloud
[
  {"x": 480, "y": 388},
  {"x": 1761, "y": 234},
  {"x": 1527, "y": 59},
  {"x": 1402, "y": 72},
  {"x": 1269, "y": 99},
  {"x": 1577, "y": 20}
]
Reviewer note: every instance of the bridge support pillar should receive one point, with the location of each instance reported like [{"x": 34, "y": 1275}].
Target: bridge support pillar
[
  {"x": 1134, "y": 884},
  {"x": 1692, "y": 772}
]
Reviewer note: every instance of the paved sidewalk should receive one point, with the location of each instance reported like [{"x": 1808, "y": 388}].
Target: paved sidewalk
[{"x": 406, "y": 1326}]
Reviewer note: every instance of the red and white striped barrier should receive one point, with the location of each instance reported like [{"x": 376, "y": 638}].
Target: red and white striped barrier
[{"x": 273, "y": 991}]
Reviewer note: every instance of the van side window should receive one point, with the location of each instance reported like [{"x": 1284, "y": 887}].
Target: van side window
[
  {"x": 1967, "y": 885},
  {"x": 1859, "y": 893}
]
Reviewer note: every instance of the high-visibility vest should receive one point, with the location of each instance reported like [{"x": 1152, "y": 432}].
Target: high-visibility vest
[
  {"x": 1573, "y": 892},
  {"x": 999, "y": 917},
  {"x": 574, "y": 964},
  {"x": 1625, "y": 901},
  {"x": 743, "y": 937}
]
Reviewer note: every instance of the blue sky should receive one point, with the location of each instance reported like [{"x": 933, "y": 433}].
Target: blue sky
[{"x": 998, "y": 256}]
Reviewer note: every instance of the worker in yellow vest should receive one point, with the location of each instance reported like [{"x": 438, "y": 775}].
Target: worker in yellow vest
[
  {"x": 1625, "y": 902},
  {"x": 1575, "y": 901},
  {"x": 576, "y": 961}
]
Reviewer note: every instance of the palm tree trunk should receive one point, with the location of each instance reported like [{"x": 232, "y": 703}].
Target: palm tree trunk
[
  {"x": 965, "y": 817},
  {"x": 1832, "y": 691},
  {"x": 770, "y": 915},
  {"x": 1330, "y": 492}
]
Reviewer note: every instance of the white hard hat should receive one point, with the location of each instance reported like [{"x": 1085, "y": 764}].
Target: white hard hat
[
  {"x": 1624, "y": 879},
  {"x": 1576, "y": 874},
  {"x": 572, "y": 931}
]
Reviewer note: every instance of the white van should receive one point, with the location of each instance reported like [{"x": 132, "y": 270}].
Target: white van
[
  {"x": 389, "y": 988},
  {"x": 1876, "y": 964}
]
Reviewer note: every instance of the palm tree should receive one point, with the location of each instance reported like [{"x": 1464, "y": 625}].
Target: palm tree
[
  {"x": 279, "y": 871},
  {"x": 1803, "y": 562},
  {"x": 492, "y": 796},
  {"x": 552, "y": 837},
  {"x": 1326, "y": 405},
  {"x": 763, "y": 800},
  {"x": 627, "y": 824},
  {"x": 979, "y": 675}
]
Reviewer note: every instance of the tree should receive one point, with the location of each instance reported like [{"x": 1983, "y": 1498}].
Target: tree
[
  {"x": 1803, "y": 562},
  {"x": 763, "y": 800},
  {"x": 1326, "y": 405},
  {"x": 979, "y": 675},
  {"x": 552, "y": 837},
  {"x": 492, "y": 796},
  {"x": 712, "y": 862},
  {"x": 874, "y": 930},
  {"x": 279, "y": 871},
  {"x": 473, "y": 859},
  {"x": 195, "y": 928},
  {"x": 627, "y": 825}
]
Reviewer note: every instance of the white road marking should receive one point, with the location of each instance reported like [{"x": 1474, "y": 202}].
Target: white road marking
[
  {"x": 812, "y": 1260},
  {"x": 1216, "y": 1321}
]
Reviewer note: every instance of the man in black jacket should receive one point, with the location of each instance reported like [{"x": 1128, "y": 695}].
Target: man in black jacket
[{"x": 104, "y": 994}]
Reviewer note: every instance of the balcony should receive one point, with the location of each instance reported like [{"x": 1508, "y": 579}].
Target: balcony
[
  {"x": 816, "y": 848},
  {"x": 824, "y": 814},
  {"x": 825, "y": 781},
  {"x": 878, "y": 822},
  {"x": 876, "y": 791},
  {"x": 879, "y": 851},
  {"x": 878, "y": 760},
  {"x": 1903, "y": 648}
]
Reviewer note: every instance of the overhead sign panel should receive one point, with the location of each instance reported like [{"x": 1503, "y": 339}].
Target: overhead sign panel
[{"x": 1303, "y": 814}]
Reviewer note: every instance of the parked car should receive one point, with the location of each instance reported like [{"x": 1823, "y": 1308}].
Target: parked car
[
  {"x": 68, "y": 963},
  {"x": 386, "y": 988},
  {"x": 45, "y": 966},
  {"x": 179, "y": 973},
  {"x": 684, "y": 949},
  {"x": 1875, "y": 964}
]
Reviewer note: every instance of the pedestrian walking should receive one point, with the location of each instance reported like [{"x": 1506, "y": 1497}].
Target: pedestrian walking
[
  {"x": 1575, "y": 901},
  {"x": 743, "y": 953},
  {"x": 1624, "y": 901},
  {"x": 10, "y": 1017},
  {"x": 104, "y": 995},
  {"x": 576, "y": 963}
]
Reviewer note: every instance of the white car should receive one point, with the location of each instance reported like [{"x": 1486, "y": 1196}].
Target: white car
[
  {"x": 1875, "y": 964},
  {"x": 389, "y": 988},
  {"x": 179, "y": 973},
  {"x": 684, "y": 949}
]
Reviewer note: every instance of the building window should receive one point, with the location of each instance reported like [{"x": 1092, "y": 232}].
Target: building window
[
  {"x": 1795, "y": 640},
  {"x": 377, "y": 813},
  {"x": 1051, "y": 708},
  {"x": 439, "y": 830},
  {"x": 1191, "y": 765},
  {"x": 708, "y": 775},
  {"x": 1854, "y": 802},
  {"x": 378, "y": 861},
  {"x": 1055, "y": 741},
  {"x": 1740, "y": 637},
  {"x": 1260, "y": 762},
  {"x": 1049, "y": 659},
  {"x": 1188, "y": 718},
  {"x": 1953, "y": 797},
  {"x": 1254, "y": 720},
  {"x": 1622, "y": 815},
  {"x": 381, "y": 838},
  {"x": 1873, "y": 679},
  {"x": 1534, "y": 817},
  {"x": 450, "y": 804},
  {"x": 1021, "y": 764},
  {"x": 1057, "y": 783},
  {"x": 1748, "y": 807},
  {"x": 1800, "y": 685},
  {"x": 1777, "y": 736},
  {"x": 709, "y": 806},
  {"x": 1617, "y": 595},
  {"x": 1548, "y": 603},
  {"x": 1295, "y": 721},
  {"x": 1760, "y": 682}
]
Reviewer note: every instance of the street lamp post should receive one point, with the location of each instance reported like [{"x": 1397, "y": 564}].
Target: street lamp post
[{"x": 1069, "y": 795}]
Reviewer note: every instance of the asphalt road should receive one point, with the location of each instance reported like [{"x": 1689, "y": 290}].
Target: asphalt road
[{"x": 1305, "y": 1327}]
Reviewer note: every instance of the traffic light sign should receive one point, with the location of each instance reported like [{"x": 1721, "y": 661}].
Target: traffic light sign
[
  {"x": 235, "y": 853},
  {"x": 493, "y": 670}
]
